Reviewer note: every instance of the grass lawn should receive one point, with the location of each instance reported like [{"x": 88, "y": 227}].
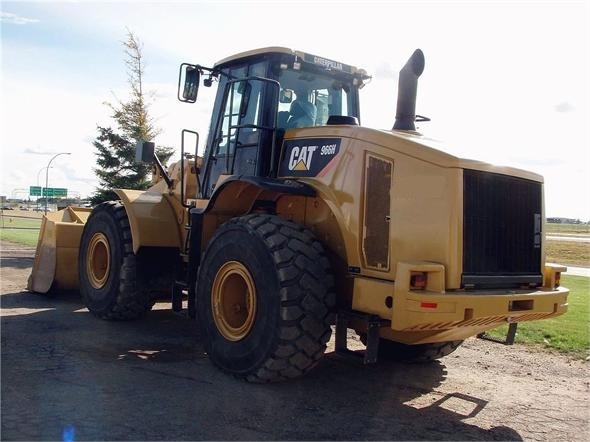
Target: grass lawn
[
  {"x": 568, "y": 253},
  {"x": 568, "y": 333},
  {"x": 567, "y": 228},
  {"x": 19, "y": 230}
]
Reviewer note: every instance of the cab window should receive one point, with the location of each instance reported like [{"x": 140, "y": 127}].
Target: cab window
[
  {"x": 242, "y": 108},
  {"x": 308, "y": 99}
]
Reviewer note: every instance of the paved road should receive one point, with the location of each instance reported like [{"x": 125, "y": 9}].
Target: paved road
[
  {"x": 569, "y": 238},
  {"x": 578, "y": 271}
]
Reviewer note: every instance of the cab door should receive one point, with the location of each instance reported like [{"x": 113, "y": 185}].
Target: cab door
[{"x": 243, "y": 129}]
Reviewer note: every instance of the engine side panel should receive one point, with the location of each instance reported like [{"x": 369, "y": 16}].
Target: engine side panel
[{"x": 390, "y": 204}]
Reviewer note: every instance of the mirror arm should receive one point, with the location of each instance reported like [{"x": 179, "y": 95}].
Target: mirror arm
[{"x": 162, "y": 171}]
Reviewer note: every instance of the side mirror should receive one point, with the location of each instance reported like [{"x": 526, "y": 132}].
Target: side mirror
[
  {"x": 189, "y": 77},
  {"x": 144, "y": 152},
  {"x": 286, "y": 96}
]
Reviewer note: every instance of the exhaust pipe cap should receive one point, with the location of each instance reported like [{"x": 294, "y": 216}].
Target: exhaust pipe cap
[{"x": 407, "y": 90}]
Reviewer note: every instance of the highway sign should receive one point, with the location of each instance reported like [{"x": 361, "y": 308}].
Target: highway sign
[
  {"x": 60, "y": 192},
  {"x": 48, "y": 191}
]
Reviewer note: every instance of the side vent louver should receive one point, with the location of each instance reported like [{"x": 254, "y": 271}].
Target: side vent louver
[{"x": 378, "y": 182}]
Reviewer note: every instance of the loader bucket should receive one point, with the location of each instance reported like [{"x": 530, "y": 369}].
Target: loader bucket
[{"x": 56, "y": 258}]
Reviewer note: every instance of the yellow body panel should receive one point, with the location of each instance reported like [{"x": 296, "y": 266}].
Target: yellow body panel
[
  {"x": 434, "y": 314},
  {"x": 425, "y": 196},
  {"x": 56, "y": 257},
  {"x": 152, "y": 219},
  {"x": 425, "y": 234}
]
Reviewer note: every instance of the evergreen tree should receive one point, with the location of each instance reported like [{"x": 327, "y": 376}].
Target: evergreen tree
[{"x": 115, "y": 149}]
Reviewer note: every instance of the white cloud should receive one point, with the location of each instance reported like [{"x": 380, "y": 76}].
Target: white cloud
[
  {"x": 8, "y": 17},
  {"x": 43, "y": 120},
  {"x": 564, "y": 106}
]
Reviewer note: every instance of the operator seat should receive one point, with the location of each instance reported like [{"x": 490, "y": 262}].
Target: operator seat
[
  {"x": 322, "y": 112},
  {"x": 303, "y": 114}
]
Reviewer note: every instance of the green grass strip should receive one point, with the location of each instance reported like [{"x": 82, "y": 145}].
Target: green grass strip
[{"x": 568, "y": 333}]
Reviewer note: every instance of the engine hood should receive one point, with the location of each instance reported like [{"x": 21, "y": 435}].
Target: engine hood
[{"x": 412, "y": 144}]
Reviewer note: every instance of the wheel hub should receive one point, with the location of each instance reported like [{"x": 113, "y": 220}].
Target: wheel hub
[
  {"x": 99, "y": 260},
  {"x": 233, "y": 297}
]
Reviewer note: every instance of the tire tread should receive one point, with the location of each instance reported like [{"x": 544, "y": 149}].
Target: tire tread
[
  {"x": 130, "y": 302},
  {"x": 307, "y": 298}
]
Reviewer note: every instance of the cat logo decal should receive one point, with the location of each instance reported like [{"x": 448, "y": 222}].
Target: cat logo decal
[{"x": 308, "y": 157}]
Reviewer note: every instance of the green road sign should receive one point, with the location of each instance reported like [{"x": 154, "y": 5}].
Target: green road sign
[
  {"x": 52, "y": 192},
  {"x": 60, "y": 192},
  {"x": 35, "y": 190}
]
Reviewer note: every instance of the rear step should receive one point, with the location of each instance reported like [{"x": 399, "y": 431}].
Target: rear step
[
  {"x": 510, "y": 335},
  {"x": 373, "y": 324},
  {"x": 177, "y": 294},
  {"x": 179, "y": 291}
]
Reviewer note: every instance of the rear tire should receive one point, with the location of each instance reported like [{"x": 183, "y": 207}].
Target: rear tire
[
  {"x": 108, "y": 267},
  {"x": 265, "y": 299}
]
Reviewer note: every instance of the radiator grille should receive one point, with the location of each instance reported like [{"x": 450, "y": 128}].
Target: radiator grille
[{"x": 501, "y": 230}]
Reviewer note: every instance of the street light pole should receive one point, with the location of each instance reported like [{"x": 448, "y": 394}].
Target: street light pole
[
  {"x": 47, "y": 177},
  {"x": 39, "y": 173}
]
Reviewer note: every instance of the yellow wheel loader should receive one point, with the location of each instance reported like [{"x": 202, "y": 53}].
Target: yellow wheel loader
[{"x": 298, "y": 218}]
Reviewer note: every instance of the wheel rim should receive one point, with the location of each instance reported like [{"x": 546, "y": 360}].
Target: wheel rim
[
  {"x": 99, "y": 260},
  {"x": 233, "y": 298}
]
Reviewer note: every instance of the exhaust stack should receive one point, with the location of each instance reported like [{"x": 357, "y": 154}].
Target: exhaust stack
[{"x": 406, "y": 96}]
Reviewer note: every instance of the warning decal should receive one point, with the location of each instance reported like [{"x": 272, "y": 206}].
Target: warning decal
[{"x": 307, "y": 157}]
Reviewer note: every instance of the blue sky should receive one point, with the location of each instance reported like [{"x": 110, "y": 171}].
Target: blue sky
[{"x": 505, "y": 82}]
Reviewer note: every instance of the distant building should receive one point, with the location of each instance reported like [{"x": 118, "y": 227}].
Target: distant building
[{"x": 563, "y": 221}]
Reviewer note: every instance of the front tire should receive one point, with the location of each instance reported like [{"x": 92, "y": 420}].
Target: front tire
[
  {"x": 108, "y": 267},
  {"x": 265, "y": 299}
]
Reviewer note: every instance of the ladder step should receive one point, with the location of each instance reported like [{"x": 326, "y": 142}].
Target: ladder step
[{"x": 177, "y": 290}]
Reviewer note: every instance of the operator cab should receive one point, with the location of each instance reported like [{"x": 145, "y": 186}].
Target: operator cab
[{"x": 261, "y": 94}]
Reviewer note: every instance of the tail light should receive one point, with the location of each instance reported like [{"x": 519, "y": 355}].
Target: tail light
[
  {"x": 418, "y": 281},
  {"x": 552, "y": 276}
]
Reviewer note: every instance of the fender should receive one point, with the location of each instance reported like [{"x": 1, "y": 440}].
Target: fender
[
  {"x": 151, "y": 218},
  {"x": 234, "y": 197},
  {"x": 236, "y": 185}
]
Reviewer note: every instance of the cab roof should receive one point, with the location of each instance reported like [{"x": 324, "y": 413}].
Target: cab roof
[{"x": 298, "y": 56}]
